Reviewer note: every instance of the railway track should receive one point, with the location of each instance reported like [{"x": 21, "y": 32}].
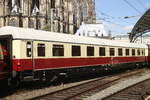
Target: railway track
[
  {"x": 84, "y": 90},
  {"x": 139, "y": 91}
]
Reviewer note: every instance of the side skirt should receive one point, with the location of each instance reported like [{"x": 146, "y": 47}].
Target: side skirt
[{"x": 54, "y": 74}]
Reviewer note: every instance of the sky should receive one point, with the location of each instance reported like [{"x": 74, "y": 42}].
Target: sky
[{"x": 112, "y": 14}]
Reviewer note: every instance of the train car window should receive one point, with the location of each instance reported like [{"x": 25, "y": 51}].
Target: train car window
[
  {"x": 101, "y": 51},
  {"x": 58, "y": 50},
  {"x": 41, "y": 50},
  {"x": 127, "y": 52},
  {"x": 90, "y": 51},
  {"x": 138, "y": 52},
  {"x": 133, "y": 52},
  {"x": 142, "y": 52},
  {"x": 76, "y": 51},
  {"x": 112, "y": 51},
  {"x": 28, "y": 49},
  {"x": 119, "y": 51}
]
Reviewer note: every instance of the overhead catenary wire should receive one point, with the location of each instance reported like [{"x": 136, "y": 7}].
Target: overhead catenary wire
[
  {"x": 112, "y": 17},
  {"x": 141, "y": 3},
  {"x": 105, "y": 17},
  {"x": 108, "y": 16},
  {"x": 104, "y": 14},
  {"x": 111, "y": 22},
  {"x": 132, "y": 6},
  {"x": 106, "y": 20}
]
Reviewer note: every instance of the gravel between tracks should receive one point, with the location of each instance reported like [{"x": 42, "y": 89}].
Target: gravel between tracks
[
  {"x": 25, "y": 95},
  {"x": 119, "y": 86},
  {"x": 28, "y": 94}
]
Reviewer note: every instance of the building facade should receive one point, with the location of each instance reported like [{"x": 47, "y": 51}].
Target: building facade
[
  {"x": 92, "y": 30},
  {"x": 53, "y": 15}
]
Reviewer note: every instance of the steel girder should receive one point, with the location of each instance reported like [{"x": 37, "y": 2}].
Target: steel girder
[{"x": 141, "y": 27}]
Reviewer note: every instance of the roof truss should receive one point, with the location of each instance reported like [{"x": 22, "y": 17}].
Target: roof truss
[{"x": 141, "y": 27}]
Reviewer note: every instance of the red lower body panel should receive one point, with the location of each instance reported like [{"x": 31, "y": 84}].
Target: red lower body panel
[
  {"x": 22, "y": 64},
  {"x": 55, "y": 63}
]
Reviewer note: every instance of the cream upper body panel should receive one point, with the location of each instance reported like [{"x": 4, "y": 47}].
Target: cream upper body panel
[
  {"x": 22, "y": 35},
  {"x": 20, "y": 50},
  {"x": 17, "y": 48}
]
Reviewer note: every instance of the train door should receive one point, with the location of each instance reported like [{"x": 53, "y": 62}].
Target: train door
[
  {"x": 6, "y": 52},
  {"x": 29, "y": 53},
  {"x": 1, "y": 59},
  {"x": 5, "y": 56}
]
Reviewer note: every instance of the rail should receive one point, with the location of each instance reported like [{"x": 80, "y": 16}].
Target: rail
[{"x": 86, "y": 89}]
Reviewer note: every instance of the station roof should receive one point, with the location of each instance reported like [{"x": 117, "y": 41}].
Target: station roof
[{"x": 141, "y": 27}]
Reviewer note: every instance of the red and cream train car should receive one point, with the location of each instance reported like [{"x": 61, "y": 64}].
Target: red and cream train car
[{"x": 44, "y": 55}]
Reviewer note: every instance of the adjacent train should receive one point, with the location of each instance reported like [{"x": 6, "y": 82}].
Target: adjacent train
[{"x": 28, "y": 54}]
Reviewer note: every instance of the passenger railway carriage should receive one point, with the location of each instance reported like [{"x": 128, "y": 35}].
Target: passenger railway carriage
[{"x": 33, "y": 54}]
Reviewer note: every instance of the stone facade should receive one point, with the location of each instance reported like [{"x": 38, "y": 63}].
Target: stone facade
[{"x": 53, "y": 15}]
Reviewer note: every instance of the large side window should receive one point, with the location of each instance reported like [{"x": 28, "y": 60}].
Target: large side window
[
  {"x": 41, "y": 49},
  {"x": 119, "y": 51},
  {"x": 58, "y": 50},
  {"x": 143, "y": 53},
  {"x": 127, "y": 52},
  {"x": 112, "y": 51},
  {"x": 90, "y": 51},
  {"x": 28, "y": 49},
  {"x": 138, "y": 52},
  {"x": 133, "y": 52},
  {"x": 76, "y": 51},
  {"x": 102, "y": 51}
]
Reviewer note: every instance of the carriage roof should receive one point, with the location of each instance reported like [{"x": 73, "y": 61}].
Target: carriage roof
[{"x": 32, "y": 34}]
